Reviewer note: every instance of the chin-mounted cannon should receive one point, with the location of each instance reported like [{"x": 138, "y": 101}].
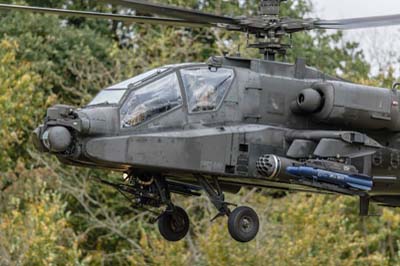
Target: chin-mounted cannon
[{"x": 350, "y": 105}]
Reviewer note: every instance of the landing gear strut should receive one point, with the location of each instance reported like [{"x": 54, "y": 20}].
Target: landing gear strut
[
  {"x": 174, "y": 223},
  {"x": 243, "y": 222}
]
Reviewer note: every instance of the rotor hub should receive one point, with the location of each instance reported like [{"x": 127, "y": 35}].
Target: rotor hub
[{"x": 268, "y": 27}]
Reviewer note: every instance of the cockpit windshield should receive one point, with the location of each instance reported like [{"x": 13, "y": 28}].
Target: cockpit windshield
[
  {"x": 114, "y": 94},
  {"x": 151, "y": 100},
  {"x": 108, "y": 97},
  {"x": 206, "y": 88}
]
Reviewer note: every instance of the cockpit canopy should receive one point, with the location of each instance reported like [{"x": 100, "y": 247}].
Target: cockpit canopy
[
  {"x": 205, "y": 88},
  {"x": 151, "y": 100},
  {"x": 158, "y": 91},
  {"x": 114, "y": 94}
]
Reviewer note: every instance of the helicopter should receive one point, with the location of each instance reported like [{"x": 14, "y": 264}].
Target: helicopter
[{"x": 232, "y": 122}]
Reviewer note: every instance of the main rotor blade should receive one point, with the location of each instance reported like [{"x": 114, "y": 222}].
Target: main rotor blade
[
  {"x": 171, "y": 11},
  {"x": 125, "y": 18},
  {"x": 358, "y": 23}
]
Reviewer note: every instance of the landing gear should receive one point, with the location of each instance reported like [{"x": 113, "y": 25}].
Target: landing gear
[
  {"x": 155, "y": 192},
  {"x": 174, "y": 224},
  {"x": 243, "y": 222}
]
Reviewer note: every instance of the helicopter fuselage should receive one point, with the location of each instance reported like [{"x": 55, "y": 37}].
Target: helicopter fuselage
[{"x": 269, "y": 116}]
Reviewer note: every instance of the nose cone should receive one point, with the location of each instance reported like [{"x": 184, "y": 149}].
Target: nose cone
[{"x": 57, "y": 139}]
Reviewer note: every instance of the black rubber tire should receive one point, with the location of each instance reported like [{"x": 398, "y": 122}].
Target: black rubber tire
[
  {"x": 174, "y": 226},
  {"x": 243, "y": 224}
]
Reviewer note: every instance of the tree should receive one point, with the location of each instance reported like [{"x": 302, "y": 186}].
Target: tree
[{"x": 45, "y": 60}]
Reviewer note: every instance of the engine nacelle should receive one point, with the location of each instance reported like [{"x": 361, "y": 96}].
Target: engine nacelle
[
  {"x": 351, "y": 105},
  {"x": 309, "y": 101}
]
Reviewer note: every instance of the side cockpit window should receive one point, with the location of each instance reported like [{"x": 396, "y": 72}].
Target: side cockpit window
[
  {"x": 153, "y": 99},
  {"x": 206, "y": 88}
]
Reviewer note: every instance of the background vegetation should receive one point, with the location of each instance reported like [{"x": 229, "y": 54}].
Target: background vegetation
[{"x": 54, "y": 215}]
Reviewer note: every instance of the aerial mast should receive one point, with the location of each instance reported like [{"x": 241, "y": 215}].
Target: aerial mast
[{"x": 270, "y": 8}]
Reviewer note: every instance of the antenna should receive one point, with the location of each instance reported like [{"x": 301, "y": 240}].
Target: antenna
[{"x": 270, "y": 7}]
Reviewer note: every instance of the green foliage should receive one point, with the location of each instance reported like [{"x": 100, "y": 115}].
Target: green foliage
[
  {"x": 34, "y": 227},
  {"x": 64, "y": 57},
  {"x": 38, "y": 233},
  {"x": 18, "y": 97},
  {"x": 53, "y": 215}
]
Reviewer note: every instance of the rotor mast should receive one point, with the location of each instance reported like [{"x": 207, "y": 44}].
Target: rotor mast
[{"x": 270, "y": 43}]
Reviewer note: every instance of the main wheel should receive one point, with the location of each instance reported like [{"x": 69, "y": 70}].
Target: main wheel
[
  {"x": 174, "y": 226},
  {"x": 243, "y": 224}
]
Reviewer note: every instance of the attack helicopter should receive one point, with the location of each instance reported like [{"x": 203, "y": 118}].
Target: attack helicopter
[{"x": 232, "y": 122}]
